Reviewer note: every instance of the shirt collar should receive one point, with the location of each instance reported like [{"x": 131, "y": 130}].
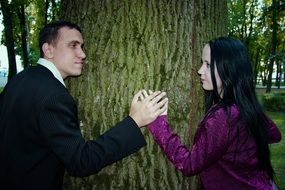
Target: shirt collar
[{"x": 50, "y": 66}]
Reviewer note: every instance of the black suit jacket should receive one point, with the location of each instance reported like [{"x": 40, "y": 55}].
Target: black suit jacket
[{"x": 40, "y": 135}]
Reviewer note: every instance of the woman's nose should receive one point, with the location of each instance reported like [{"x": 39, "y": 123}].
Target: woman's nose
[{"x": 200, "y": 71}]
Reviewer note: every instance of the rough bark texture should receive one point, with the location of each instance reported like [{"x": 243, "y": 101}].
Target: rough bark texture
[{"x": 151, "y": 44}]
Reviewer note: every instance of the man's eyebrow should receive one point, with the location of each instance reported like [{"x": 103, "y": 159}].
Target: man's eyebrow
[{"x": 76, "y": 42}]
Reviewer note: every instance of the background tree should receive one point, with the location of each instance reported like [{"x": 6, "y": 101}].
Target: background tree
[
  {"x": 8, "y": 36},
  {"x": 280, "y": 49},
  {"x": 243, "y": 17},
  {"x": 26, "y": 18},
  {"x": 40, "y": 12},
  {"x": 152, "y": 44},
  {"x": 272, "y": 56},
  {"x": 20, "y": 7}
]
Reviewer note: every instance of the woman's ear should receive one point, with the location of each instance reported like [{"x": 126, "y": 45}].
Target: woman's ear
[{"x": 48, "y": 50}]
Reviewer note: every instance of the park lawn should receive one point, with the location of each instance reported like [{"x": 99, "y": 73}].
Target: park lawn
[
  {"x": 278, "y": 150},
  {"x": 1, "y": 88}
]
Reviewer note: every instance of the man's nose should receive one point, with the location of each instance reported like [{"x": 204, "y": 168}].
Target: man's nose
[{"x": 82, "y": 54}]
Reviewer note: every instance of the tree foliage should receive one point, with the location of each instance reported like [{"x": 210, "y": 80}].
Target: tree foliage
[
  {"x": 248, "y": 20},
  {"x": 6, "y": 10},
  {"x": 252, "y": 22},
  {"x": 28, "y": 17}
]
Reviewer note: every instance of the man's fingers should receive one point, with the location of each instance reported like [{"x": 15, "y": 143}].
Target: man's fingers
[
  {"x": 163, "y": 108},
  {"x": 158, "y": 97},
  {"x": 151, "y": 96},
  {"x": 163, "y": 102},
  {"x": 160, "y": 104},
  {"x": 145, "y": 94},
  {"x": 141, "y": 97},
  {"x": 137, "y": 96}
]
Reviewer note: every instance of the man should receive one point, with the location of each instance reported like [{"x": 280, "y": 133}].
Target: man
[{"x": 39, "y": 131}]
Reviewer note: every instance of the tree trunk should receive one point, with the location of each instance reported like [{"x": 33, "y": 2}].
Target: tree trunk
[
  {"x": 46, "y": 11},
  {"x": 54, "y": 11},
  {"x": 256, "y": 66},
  {"x": 9, "y": 39},
  {"x": 24, "y": 34},
  {"x": 273, "y": 46},
  {"x": 151, "y": 44},
  {"x": 278, "y": 74},
  {"x": 284, "y": 72}
]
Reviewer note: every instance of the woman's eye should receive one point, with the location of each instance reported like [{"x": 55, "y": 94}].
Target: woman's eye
[{"x": 208, "y": 65}]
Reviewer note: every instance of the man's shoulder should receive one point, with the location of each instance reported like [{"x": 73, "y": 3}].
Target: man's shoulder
[
  {"x": 43, "y": 77},
  {"x": 37, "y": 80}
]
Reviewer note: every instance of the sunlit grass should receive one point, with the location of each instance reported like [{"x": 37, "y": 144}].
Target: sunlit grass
[{"x": 278, "y": 150}]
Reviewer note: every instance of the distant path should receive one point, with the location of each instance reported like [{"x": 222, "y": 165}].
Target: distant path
[
  {"x": 262, "y": 89},
  {"x": 272, "y": 87},
  {"x": 3, "y": 81}
]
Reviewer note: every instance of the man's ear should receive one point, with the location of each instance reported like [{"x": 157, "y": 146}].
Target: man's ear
[{"x": 48, "y": 50}]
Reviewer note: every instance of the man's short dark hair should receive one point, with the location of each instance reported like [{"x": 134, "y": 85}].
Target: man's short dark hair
[{"x": 49, "y": 33}]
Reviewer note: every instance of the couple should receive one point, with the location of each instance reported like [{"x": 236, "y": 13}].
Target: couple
[{"x": 40, "y": 136}]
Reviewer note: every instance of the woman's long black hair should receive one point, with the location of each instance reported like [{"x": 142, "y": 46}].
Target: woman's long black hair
[{"x": 235, "y": 70}]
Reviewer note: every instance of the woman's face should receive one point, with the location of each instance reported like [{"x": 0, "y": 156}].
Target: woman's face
[{"x": 205, "y": 71}]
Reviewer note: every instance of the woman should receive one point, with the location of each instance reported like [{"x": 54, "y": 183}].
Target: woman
[{"x": 230, "y": 149}]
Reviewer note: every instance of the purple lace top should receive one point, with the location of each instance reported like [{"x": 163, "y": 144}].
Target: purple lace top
[{"x": 223, "y": 159}]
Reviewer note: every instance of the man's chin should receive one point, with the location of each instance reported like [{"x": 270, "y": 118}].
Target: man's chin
[{"x": 75, "y": 75}]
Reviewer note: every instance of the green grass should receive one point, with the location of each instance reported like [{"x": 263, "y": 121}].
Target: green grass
[
  {"x": 278, "y": 150},
  {"x": 1, "y": 88}
]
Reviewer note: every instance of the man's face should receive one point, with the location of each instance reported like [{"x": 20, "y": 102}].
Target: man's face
[{"x": 67, "y": 54}]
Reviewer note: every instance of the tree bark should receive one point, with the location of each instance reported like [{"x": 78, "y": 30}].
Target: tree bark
[
  {"x": 273, "y": 46},
  {"x": 256, "y": 65},
  {"x": 278, "y": 74},
  {"x": 9, "y": 39},
  {"x": 24, "y": 35},
  {"x": 284, "y": 72},
  {"x": 151, "y": 44}
]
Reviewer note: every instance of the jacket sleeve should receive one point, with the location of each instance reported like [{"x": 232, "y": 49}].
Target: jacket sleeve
[
  {"x": 211, "y": 142},
  {"x": 59, "y": 125}
]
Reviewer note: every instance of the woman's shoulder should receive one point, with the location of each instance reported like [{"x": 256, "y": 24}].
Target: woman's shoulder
[
  {"x": 220, "y": 110},
  {"x": 222, "y": 114}
]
